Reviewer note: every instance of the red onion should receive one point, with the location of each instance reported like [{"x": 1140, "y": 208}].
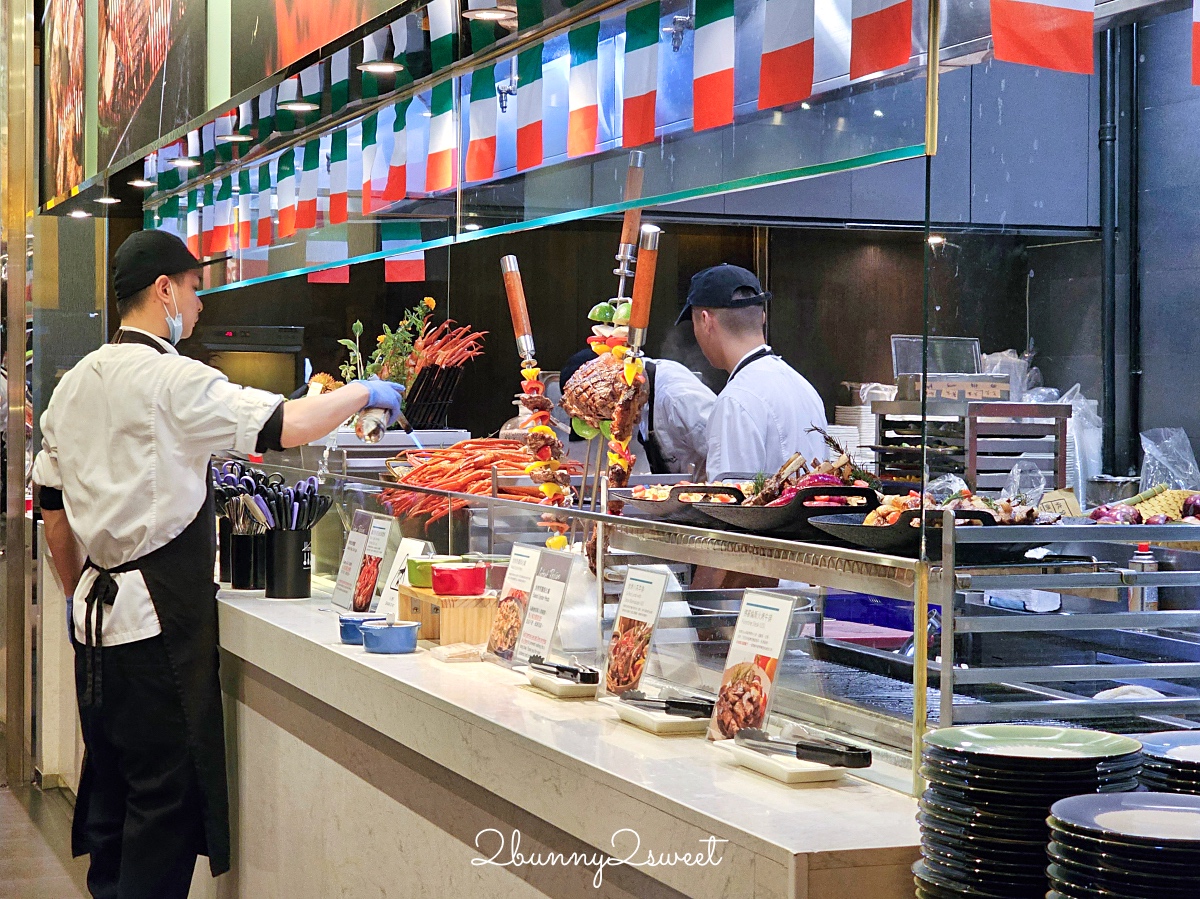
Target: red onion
[{"x": 1191, "y": 505}]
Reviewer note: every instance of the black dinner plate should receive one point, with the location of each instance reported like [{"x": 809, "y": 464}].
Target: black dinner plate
[
  {"x": 1032, "y": 768},
  {"x": 1133, "y": 818},
  {"x": 1104, "y": 859},
  {"x": 673, "y": 509},
  {"x": 904, "y": 539},
  {"x": 946, "y": 883},
  {"x": 1124, "y": 881},
  {"x": 1067, "y": 785},
  {"x": 1138, "y": 855}
]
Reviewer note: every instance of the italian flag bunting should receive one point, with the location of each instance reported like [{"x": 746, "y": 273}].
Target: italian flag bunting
[
  {"x": 207, "y": 221},
  {"x": 583, "y": 92},
  {"x": 289, "y": 92},
  {"x": 208, "y": 143},
  {"x": 712, "y": 65},
  {"x": 1050, "y": 34},
  {"x": 224, "y": 128},
  {"x": 397, "y": 179},
  {"x": 339, "y": 80},
  {"x": 193, "y": 145},
  {"x": 370, "y": 149},
  {"x": 245, "y": 212},
  {"x": 529, "y": 108},
  {"x": 323, "y": 251},
  {"x": 245, "y": 119},
  {"x": 440, "y": 163},
  {"x": 263, "y": 231},
  {"x": 338, "y": 180},
  {"x": 529, "y": 13},
  {"x": 481, "y": 150},
  {"x": 641, "y": 75},
  {"x": 306, "y": 206},
  {"x": 880, "y": 35},
  {"x": 285, "y": 192},
  {"x": 373, "y": 47},
  {"x": 222, "y": 239},
  {"x": 786, "y": 72},
  {"x": 169, "y": 178},
  {"x": 266, "y": 114},
  {"x": 403, "y": 266},
  {"x": 1195, "y": 41},
  {"x": 310, "y": 87},
  {"x": 193, "y": 222}
]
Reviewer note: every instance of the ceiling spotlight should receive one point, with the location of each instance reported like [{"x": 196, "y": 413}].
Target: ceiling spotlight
[
  {"x": 185, "y": 162},
  {"x": 491, "y": 11},
  {"x": 235, "y": 138},
  {"x": 936, "y": 240},
  {"x": 143, "y": 183},
  {"x": 108, "y": 201},
  {"x": 299, "y": 106},
  {"x": 471, "y": 226},
  {"x": 80, "y": 214},
  {"x": 381, "y": 67},
  {"x": 878, "y": 113}
]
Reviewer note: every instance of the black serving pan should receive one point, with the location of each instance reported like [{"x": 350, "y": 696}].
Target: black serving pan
[
  {"x": 903, "y": 539},
  {"x": 790, "y": 521},
  {"x": 676, "y": 511}
]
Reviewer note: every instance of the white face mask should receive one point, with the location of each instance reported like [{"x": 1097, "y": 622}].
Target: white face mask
[{"x": 174, "y": 322}]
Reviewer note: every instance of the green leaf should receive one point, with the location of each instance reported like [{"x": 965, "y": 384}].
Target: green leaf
[
  {"x": 357, "y": 329},
  {"x": 606, "y": 429},
  {"x": 583, "y": 429},
  {"x": 349, "y": 344}
]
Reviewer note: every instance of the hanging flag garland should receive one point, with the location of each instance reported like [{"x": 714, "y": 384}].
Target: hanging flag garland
[
  {"x": 339, "y": 80},
  {"x": 786, "y": 70},
  {"x": 529, "y": 108},
  {"x": 1196, "y": 42},
  {"x": 266, "y": 114},
  {"x": 207, "y": 220},
  {"x": 245, "y": 211},
  {"x": 441, "y": 161},
  {"x": 397, "y": 180},
  {"x": 222, "y": 238},
  {"x": 263, "y": 231},
  {"x": 338, "y": 178},
  {"x": 285, "y": 192},
  {"x": 306, "y": 206},
  {"x": 641, "y": 75},
  {"x": 1050, "y": 34},
  {"x": 193, "y": 222},
  {"x": 402, "y": 267},
  {"x": 583, "y": 91},
  {"x": 370, "y": 150},
  {"x": 484, "y": 107},
  {"x": 880, "y": 35},
  {"x": 712, "y": 65}
]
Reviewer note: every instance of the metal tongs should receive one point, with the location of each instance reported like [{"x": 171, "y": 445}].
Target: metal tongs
[
  {"x": 687, "y": 707},
  {"x": 580, "y": 674},
  {"x": 811, "y": 749}
]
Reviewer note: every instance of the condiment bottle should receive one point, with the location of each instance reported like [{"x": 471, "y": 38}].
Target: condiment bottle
[{"x": 1143, "y": 599}]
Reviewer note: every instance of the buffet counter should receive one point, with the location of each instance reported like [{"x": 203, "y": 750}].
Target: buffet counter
[{"x": 356, "y": 775}]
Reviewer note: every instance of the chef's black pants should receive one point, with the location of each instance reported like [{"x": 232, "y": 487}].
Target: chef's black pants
[{"x": 142, "y": 822}]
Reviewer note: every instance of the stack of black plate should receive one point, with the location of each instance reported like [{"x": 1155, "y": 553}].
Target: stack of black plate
[
  {"x": 1171, "y": 762},
  {"x": 1128, "y": 846},
  {"x": 983, "y": 818}
]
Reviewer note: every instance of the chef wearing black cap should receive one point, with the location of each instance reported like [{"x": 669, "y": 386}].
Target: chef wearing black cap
[
  {"x": 124, "y": 475},
  {"x": 766, "y": 408}
]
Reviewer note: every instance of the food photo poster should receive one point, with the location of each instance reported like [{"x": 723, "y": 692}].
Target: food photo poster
[{"x": 637, "y": 614}]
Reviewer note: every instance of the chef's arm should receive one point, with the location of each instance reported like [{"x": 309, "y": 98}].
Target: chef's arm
[
  {"x": 312, "y": 417},
  {"x": 61, "y": 540}
]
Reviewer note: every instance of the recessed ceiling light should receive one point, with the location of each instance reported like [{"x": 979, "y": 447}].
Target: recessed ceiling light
[
  {"x": 497, "y": 12},
  {"x": 185, "y": 162},
  {"x": 471, "y": 226},
  {"x": 299, "y": 106},
  {"x": 235, "y": 138},
  {"x": 142, "y": 183},
  {"x": 80, "y": 214},
  {"x": 108, "y": 201},
  {"x": 381, "y": 67}
]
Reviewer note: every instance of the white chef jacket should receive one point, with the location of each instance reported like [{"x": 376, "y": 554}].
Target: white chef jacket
[
  {"x": 682, "y": 405},
  {"x": 761, "y": 417},
  {"x": 127, "y": 438}
]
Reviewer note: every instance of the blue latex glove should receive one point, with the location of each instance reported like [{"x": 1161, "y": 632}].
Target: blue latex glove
[
  {"x": 383, "y": 395},
  {"x": 71, "y": 619}
]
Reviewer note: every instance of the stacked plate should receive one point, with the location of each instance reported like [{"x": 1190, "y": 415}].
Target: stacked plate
[
  {"x": 983, "y": 818},
  {"x": 1171, "y": 762},
  {"x": 1126, "y": 846}
]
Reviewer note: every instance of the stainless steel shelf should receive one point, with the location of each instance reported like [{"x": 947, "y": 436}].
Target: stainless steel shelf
[
  {"x": 827, "y": 566},
  {"x": 1080, "y": 533}
]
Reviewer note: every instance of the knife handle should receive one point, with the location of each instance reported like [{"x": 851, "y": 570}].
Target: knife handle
[
  {"x": 514, "y": 288},
  {"x": 635, "y": 176},
  {"x": 643, "y": 282}
]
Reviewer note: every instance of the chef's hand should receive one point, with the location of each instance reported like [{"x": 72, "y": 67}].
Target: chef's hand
[{"x": 383, "y": 395}]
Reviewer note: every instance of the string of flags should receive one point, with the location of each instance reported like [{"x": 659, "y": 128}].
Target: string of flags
[{"x": 411, "y": 147}]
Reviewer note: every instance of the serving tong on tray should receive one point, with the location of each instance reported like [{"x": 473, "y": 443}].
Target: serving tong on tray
[
  {"x": 687, "y": 707},
  {"x": 580, "y": 674},
  {"x": 810, "y": 749}
]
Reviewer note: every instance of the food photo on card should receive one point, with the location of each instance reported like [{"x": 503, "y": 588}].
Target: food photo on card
[
  {"x": 513, "y": 601},
  {"x": 744, "y": 697},
  {"x": 637, "y": 613}
]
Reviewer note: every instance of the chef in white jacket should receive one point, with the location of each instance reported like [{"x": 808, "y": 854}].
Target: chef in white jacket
[{"x": 767, "y": 409}]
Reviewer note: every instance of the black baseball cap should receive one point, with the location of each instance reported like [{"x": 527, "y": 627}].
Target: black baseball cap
[
  {"x": 144, "y": 256},
  {"x": 714, "y": 287}
]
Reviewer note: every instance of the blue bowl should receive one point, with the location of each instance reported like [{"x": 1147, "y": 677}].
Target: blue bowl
[
  {"x": 351, "y": 625},
  {"x": 390, "y": 638}
]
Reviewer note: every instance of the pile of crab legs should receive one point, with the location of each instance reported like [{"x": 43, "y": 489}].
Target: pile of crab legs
[{"x": 638, "y": 247}]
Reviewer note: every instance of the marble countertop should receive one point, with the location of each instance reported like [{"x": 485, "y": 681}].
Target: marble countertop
[{"x": 480, "y": 719}]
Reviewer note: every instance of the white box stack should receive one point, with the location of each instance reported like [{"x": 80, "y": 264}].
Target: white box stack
[{"x": 861, "y": 419}]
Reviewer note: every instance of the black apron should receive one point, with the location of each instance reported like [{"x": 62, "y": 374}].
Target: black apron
[{"x": 179, "y": 578}]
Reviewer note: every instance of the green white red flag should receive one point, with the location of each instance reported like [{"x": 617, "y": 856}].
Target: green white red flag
[
  {"x": 583, "y": 90},
  {"x": 880, "y": 35},
  {"x": 712, "y": 65},
  {"x": 404, "y": 265},
  {"x": 339, "y": 206},
  {"x": 785, "y": 74},
  {"x": 310, "y": 174},
  {"x": 285, "y": 192},
  {"x": 1050, "y": 34},
  {"x": 641, "y": 75}
]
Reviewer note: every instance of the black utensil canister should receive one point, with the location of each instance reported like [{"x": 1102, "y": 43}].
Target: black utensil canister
[
  {"x": 289, "y": 564},
  {"x": 224, "y": 532},
  {"x": 241, "y": 561},
  {"x": 260, "y": 561}
]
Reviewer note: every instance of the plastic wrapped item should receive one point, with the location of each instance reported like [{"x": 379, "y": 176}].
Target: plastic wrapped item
[
  {"x": 1041, "y": 395},
  {"x": 459, "y": 652},
  {"x": 1010, "y": 363},
  {"x": 1085, "y": 435},
  {"x": 874, "y": 391},
  {"x": 1167, "y": 458},
  {"x": 942, "y": 488},
  {"x": 1026, "y": 484}
]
